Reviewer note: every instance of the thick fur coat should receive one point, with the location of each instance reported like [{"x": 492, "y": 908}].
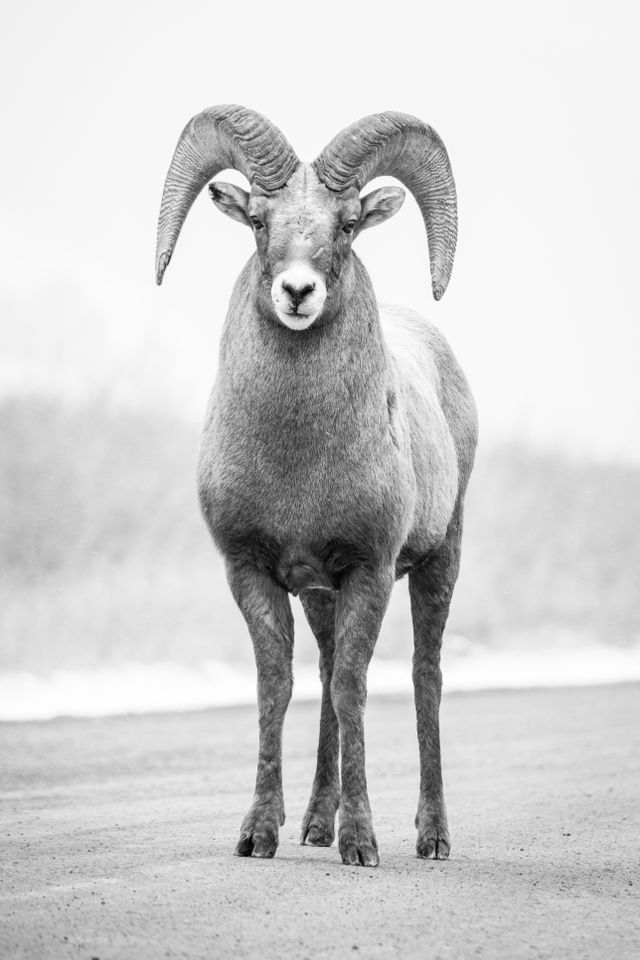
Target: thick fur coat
[{"x": 348, "y": 443}]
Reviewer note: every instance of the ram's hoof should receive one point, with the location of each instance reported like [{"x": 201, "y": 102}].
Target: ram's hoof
[
  {"x": 357, "y": 844},
  {"x": 259, "y": 833},
  {"x": 317, "y": 834},
  {"x": 318, "y": 823},
  {"x": 257, "y": 845},
  {"x": 433, "y": 842}
]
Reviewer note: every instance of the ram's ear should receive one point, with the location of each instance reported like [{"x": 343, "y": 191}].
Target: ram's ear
[
  {"x": 232, "y": 200},
  {"x": 378, "y": 206}
]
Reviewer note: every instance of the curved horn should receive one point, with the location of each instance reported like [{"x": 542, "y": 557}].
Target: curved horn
[
  {"x": 399, "y": 145},
  {"x": 222, "y": 137}
]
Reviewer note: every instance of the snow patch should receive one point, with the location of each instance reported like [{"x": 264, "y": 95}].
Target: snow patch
[{"x": 170, "y": 686}]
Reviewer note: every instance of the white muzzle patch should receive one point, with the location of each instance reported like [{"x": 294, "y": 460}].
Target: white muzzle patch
[{"x": 298, "y": 295}]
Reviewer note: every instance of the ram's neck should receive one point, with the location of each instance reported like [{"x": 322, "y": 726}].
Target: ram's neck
[{"x": 329, "y": 370}]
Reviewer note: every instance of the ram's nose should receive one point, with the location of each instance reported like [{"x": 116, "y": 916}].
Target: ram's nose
[
  {"x": 298, "y": 295},
  {"x": 297, "y": 290}
]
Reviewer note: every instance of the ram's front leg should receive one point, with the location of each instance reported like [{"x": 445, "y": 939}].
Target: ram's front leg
[
  {"x": 318, "y": 823},
  {"x": 362, "y": 601},
  {"x": 266, "y": 608}
]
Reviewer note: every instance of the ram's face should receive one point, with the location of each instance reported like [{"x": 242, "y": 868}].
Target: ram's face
[{"x": 303, "y": 235}]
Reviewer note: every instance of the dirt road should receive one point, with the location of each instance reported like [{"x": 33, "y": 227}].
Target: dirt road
[{"x": 117, "y": 837}]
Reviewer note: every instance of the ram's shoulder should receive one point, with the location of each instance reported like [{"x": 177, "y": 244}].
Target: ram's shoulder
[{"x": 414, "y": 340}]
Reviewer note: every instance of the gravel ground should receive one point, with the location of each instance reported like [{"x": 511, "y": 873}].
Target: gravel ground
[{"x": 117, "y": 836}]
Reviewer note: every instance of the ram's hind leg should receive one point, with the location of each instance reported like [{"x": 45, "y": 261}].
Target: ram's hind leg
[
  {"x": 318, "y": 823},
  {"x": 266, "y": 608},
  {"x": 431, "y": 588}
]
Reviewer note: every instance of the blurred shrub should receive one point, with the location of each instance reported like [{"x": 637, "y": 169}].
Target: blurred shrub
[
  {"x": 104, "y": 555},
  {"x": 550, "y": 543},
  {"x": 83, "y": 483}
]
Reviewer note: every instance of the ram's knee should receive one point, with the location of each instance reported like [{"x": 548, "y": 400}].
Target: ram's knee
[
  {"x": 326, "y": 669},
  {"x": 274, "y": 692},
  {"x": 348, "y": 693}
]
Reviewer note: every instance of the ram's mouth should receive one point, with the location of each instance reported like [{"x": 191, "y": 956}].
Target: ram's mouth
[{"x": 296, "y": 321}]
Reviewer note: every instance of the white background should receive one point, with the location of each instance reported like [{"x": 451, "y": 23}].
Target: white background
[{"x": 537, "y": 105}]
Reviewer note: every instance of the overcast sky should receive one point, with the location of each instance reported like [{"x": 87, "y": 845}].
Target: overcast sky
[{"x": 538, "y": 107}]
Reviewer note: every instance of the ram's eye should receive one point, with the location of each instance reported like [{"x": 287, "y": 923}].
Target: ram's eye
[
  {"x": 349, "y": 227},
  {"x": 256, "y": 223}
]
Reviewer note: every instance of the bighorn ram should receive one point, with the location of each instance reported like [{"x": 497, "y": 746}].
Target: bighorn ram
[{"x": 337, "y": 446}]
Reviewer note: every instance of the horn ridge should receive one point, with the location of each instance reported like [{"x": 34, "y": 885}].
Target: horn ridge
[
  {"x": 221, "y": 137},
  {"x": 402, "y": 146}
]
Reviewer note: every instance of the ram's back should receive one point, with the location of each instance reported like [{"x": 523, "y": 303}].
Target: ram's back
[{"x": 433, "y": 383}]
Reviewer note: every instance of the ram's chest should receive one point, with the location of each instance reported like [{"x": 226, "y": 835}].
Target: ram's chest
[{"x": 310, "y": 497}]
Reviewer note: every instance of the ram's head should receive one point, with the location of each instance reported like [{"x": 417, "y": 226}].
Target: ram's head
[{"x": 305, "y": 216}]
